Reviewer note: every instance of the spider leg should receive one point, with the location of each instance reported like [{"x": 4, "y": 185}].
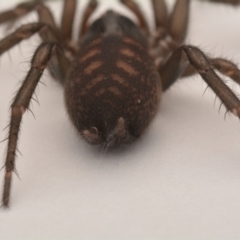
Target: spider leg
[
  {"x": 137, "y": 11},
  {"x": 226, "y": 68},
  {"x": 92, "y": 5},
  {"x": 67, "y": 19},
  {"x": 185, "y": 55},
  {"x": 178, "y": 22},
  {"x": 160, "y": 13},
  {"x": 20, "y": 104},
  {"x": 223, "y": 66},
  {"x": 173, "y": 68},
  {"x": 20, "y": 34},
  {"x": 47, "y": 35},
  {"x": 45, "y": 16},
  {"x": 170, "y": 30},
  {"x": 19, "y": 11}
]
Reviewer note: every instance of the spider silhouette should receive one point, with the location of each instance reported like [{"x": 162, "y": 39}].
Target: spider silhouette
[{"x": 114, "y": 74}]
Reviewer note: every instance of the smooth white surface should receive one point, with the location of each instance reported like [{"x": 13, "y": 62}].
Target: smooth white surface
[{"x": 180, "y": 181}]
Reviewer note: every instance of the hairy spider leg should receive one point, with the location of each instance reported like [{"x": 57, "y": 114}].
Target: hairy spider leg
[
  {"x": 68, "y": 14},
  {"x": 39, "y": 62},
  {"x": 63, "y": 33},
  {"x": 19, "y": 11},
  {"x": 91, "y": 7},
  {"x": 20, "y": 105},
  {"x": 137, "y": 11},
  {"x": 20, "y": 34},
  {"x": 47, "y": 35},
  {"x": 160, "y": 13},
  {"x": 52, "y": 53},
  {"x": 223, "y": 66},
  {"x": 178, "y": 21},
  {"x": 187, "y": 54},
  {"x": 44, "y": 14},
  {"x": 170, "y": 31},
  {"x": 226, "y": 68}
]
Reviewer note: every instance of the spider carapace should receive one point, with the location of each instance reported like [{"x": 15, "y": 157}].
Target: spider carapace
[{"x": 114, "y": 73}]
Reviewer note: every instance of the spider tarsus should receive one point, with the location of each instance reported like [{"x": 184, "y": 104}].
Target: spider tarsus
[
  {"x": 5, "y": 205},
  {"x": 6, "y": 188}
]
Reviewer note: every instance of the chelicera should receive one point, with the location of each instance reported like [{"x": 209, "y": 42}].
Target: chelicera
[{"x": 114, "y": 74}]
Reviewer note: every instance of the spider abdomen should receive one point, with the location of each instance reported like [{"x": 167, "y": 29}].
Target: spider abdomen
[{"x": 113, "y": 89}]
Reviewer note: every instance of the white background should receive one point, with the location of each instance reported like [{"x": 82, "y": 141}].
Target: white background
[{"x": 180, "y": 181}]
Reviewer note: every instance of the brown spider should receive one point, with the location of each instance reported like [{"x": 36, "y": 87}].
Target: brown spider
[{"x": 114, "y": 75}]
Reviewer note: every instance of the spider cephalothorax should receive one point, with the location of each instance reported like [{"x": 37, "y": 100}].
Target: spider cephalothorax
[{"x": 114, "y": 74}]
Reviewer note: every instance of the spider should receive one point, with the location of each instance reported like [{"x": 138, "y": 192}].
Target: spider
[{"x": 114, "y": 74}]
